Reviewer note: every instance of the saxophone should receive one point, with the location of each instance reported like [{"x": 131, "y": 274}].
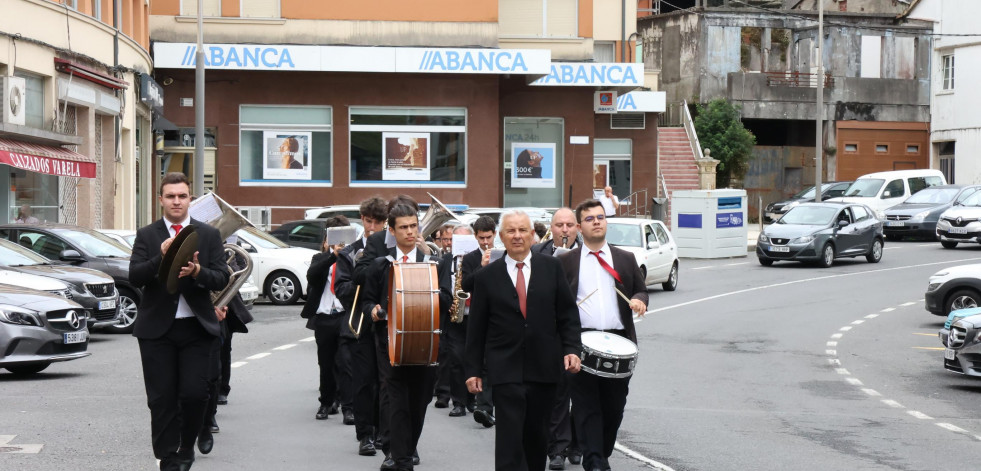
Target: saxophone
[{"x": 456, "y": 310}]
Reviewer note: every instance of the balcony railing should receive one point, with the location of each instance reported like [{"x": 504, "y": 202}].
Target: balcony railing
[{"x": 797, "y": 79}]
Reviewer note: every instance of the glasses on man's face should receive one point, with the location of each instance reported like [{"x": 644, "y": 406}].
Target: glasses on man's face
[
  {"x": 446, "y": 241},
  {"x": 598, "y": 217}
]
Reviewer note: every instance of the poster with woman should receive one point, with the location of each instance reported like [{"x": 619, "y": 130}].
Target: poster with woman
[
  {"x": 405, "y": 156},
  {"x": 287, "y": 155},
  {"x": 532, "y": 165}
]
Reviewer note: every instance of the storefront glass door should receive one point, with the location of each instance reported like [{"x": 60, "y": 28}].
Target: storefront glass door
[
  {"x": 611, "y": 165},
  {"x": 533, "y": 176}
]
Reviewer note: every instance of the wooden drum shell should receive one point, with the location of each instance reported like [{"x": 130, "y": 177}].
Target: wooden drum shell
[{"x": 413, "y": 314}]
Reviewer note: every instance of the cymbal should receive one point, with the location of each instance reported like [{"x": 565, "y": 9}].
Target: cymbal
[{"x": 180, "y": 252}]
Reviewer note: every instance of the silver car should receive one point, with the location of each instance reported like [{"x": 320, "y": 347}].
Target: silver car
[
  {"x": 822, "y": 232},
  {"x": 963, "y": 352},
  {"x": 38, "y": 328}
]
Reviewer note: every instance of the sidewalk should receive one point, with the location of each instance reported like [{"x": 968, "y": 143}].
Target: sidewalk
[{"x": 752, "y": 233}]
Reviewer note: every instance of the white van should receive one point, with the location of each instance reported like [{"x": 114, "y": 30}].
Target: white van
[{"x": 883, "y": 190}]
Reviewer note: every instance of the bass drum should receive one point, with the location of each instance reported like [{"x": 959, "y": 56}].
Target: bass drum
[
  {"x": 413, "y": 314},
  {"x": 608, "y": 355}
]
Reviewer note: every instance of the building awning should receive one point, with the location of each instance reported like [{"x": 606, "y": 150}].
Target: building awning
[{"x": 51, "y": 160}]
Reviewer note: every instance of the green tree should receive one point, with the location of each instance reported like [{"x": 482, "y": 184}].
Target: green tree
[{"x": 719, "y": 128}]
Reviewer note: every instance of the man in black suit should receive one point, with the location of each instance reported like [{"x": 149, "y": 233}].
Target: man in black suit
[
  {"x": 523, "y": 323},
  {"x": 564, "y": 230},
  {"x": 409, "y": 388},
  {"x": 484, "y": 230},
  {"x": 597, "y": 271},
  {"x": 454, "y": 336},
  {"x": 177, "y": 332}
]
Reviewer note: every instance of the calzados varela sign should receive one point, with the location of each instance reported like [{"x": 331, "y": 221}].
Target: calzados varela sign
[{"x": 48, "y": 165}]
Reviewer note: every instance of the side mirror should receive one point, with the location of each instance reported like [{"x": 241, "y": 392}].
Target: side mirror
[
  {"x": 886, "y": 194},
  {"x": 842, "y": 223},
  {"x": 70, "y": 256},
  {"x": 248, "y": 247},
  {"x": 653, "y": 244}
]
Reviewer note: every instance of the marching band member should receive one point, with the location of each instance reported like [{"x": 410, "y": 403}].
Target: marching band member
[
  {"x": 596, "y": 272},
  {"x": 565, "y": 230},
  {"x": 523, "y": 323},
  {"x": 454, "y": 336},
  {"x": 409, "y": 388},
  {"x": 443, "y": 238},
  {"x": 485, "y": 229}
]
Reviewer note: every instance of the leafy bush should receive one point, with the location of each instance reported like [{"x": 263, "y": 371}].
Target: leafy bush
[{"x": 719, "y": 128}]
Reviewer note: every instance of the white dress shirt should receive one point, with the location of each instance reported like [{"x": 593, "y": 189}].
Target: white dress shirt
[
  {"x": 183, "y": 310},
  {"x": 411, "y": 255},
  {"x": 512, "y": 265},
  {"x": 328, "y": 301},
  {"x": 600, "y": 311}
]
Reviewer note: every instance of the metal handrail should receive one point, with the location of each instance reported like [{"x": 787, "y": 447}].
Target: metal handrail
[
  {"x": 638, "y": 204},
  {"x": 696, "y": 147}
]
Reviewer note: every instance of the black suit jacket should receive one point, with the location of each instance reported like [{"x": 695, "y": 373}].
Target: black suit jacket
[
  {"x": 317, "y": 276},
  {"x": 633, "y": 284},
  {"x": 516, "y": 349},
  {"x": 158, "y": 307},
  {"x": 471, "y": 265},
  {"x": 238, "y": 312},
  {"x": 345, "y": 288},
  {"x": 547, "y": 248},
  {"x": 375, "y": 288},
  {"x": 375, "y": 248}
]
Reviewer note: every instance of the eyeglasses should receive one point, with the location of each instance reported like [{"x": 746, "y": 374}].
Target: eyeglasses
[
  {"x": 598, "y": 217},
  {"x": 445, "y": 240}
]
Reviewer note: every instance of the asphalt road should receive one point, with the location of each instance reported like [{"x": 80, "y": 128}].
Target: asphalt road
[{"x": 742, "y": 368}]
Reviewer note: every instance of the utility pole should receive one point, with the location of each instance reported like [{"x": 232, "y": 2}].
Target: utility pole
[
  {"x": 819, "y": 144},
  {"x": 198, "y": 178}
]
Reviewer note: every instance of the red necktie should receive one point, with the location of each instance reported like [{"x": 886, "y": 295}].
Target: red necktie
[
  {"x": 177, "y": 229},
  {"x": 606, "y": 266},
  {"x": 405, "y": 259},
  {"x": 333, "y": 277},
  {"x": 520, "y": 286}
]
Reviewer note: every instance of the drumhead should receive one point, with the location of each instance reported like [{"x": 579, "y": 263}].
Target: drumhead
[{"x": 608, "y": 343}]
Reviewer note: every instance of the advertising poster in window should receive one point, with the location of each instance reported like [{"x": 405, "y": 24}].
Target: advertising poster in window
[
  {"x": 405, "y": 156},
  {"x": 286, "y": 155},
  {"x": 533, "y": 165}
]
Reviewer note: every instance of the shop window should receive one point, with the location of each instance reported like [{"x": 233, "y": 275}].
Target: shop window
[
  {"x": 190, "y": 7},
  {"x": 260, "y": 9},
  {"x": 912, "y": 148},
  {"x": 948, "y": 71},
  {"x": 285, "y": 145},
  {"x": 533, "y": 161},
  {"x": 33, "y": 99},
  {"x": 881, "y": 148},
  {"x": 408, "y": 146},
  {"x": 37, "y": 191},
  {"x": 851, "y": 147}
]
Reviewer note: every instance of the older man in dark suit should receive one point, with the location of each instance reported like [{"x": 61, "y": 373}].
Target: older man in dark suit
[
  {"x": 596, "y": 271},
  {"x": 523, "y": 322},
  {"x": 177, "y": 332}
]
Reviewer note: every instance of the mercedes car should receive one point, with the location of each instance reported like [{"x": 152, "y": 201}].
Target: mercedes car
[
  {"x": 821, "y": 233},
  {"x": 38, "y": 328},
  {"x": 919, "y": 214}
]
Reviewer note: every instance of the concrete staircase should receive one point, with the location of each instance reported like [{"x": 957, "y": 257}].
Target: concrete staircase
[{"x": 676, "y": 162}]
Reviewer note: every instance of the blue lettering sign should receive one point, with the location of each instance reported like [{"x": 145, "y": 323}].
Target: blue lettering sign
[
  {"x": 589, "y": 74},
  {"x": 626, "y": 102},
  {"x": 251, "y": 57},
  {"x": 724, "y": 220},
  {"x": 469, "y": 61},
  {"x": 233, "y": 58}
]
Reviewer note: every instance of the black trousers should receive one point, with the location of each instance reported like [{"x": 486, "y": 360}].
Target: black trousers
[
  {"x": 327, "y": 331},
  {"x": 410, "y": 389},
  {"x": 597, "y": 410},
  {"x": 561, "y": 433},
  {"x": 523, "y": 410},
  {"x": 176, "y": 371},
  {"x": 364, "y": 369},
  {"x": 384, "y": 367},
  {"x": 452, "y": 342},
  {"x": 214, "y": 383},
  {"x": 226, "y": 360},
  {"x": 343, "y": 372}
]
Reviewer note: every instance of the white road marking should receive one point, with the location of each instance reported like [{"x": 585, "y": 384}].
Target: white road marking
[
  {"x": 951, "y": 427},
  {"x": 834, "y": 361},
  {"x": 892, "y": 403},
  {"x": 871, "y": 316},
  {"x": 259, "y": 356},
  {"x": 871, "y": 392},
  {"x": 308, "y": 339},
  {"x": 888, "y": 309},
  {"x": 289, "y": 345},
  {"x": 836, "y": 336},
  {"x": 18, "y": 449},
  {"x": 643, "y": 459},
  {"x": 919, "y": 415},
  {"x": 854, "y": 381},
  {"x": 901, "y": 305},
  {"x": 239, "y": 363},
  {"x": 927, "y": 245},
  {"x": 842, "y": 371},
  {"x": 884, "y": 248},
  {"x": 860, "y": 321},
  {"x": 843, "y": 329},
  {"x": 826, "y": 352},
  {"x": 832, "y": 344}
]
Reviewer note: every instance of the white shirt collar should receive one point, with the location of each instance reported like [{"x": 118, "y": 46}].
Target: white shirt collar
[
  {"x": 186, "y": 222},
  {"x": 411, "y": 254},
  {"x": 512, "y": 263},
  {"x": 605, "y": 249}
]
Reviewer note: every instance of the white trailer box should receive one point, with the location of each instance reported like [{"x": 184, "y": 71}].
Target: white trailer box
[{"x": 709, "y": 223}]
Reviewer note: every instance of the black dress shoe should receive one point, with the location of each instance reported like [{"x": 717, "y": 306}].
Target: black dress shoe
[
  {"x": 458, "y": 411},
  {"x": 575, "y": 456},
  {"x": 366, "y": 447},
  {"x": 388, "y": 464},
  {"x": 484, "y": 418},
  {"x": 442, "y": 403},
  {"x": 348, "y": 417},
  {"x": 333, "y": 408},
  {"x": 322, "y": 412},
  {"x": 471, "y": 406},
  {"x": 415, "y": 458},
  {"x": 206, "y": 442},
  {"x": 556, "y": 462},
  {"x": 214, "y": 425},
  {"x": 222, "y": 399}
]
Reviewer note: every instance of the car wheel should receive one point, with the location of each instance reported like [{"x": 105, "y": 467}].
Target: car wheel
[
  {"x": 127, "y": 312},
  {"x": 962, "y": 299},
  {"x": 672, "y": 283},
  {"x": 827, "y": 256},
  {"x": 875, "y": 253},
  {"x": 27, "y": 369},
  {"x": 894, "y": 237},
  {"x": 282, "y": 288},
  {"x": 765, "y": 262},
  {"x": 948, "y": 244}
]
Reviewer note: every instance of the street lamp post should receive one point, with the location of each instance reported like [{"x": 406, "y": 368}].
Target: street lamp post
[
  {"x": 198, "y": 178},
  {"x": 819, "y": 144}
]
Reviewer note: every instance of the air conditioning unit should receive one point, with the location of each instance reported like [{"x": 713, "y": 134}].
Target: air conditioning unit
[
  {"x": 12, "y": 97},
  {"x": 259, "y": 216}
]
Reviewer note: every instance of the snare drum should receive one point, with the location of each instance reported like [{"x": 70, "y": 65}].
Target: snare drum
[{"x": 608, "y": 355}]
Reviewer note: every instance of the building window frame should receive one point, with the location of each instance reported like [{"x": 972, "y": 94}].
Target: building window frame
[
  {"x": 195, "y": 12},
  {"x": 851, "y": 147},
  {"x": 881, "y": 148},
  {"x": 947, "y": 72},
  {"x": 544, "y": 33},
  {"x": 277, "y": 15},
  {"x": 287, "y": 127},
  {"x": 545, "y": 197}
]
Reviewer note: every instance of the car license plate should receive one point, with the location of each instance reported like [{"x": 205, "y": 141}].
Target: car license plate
[
  {"x": 957, "y": 230},
  {"x": 950, "y": 354},
  {"x": 895, "y": 223},
  {"x": 110, "y": 304},
  {"x": 250, "y": 295},
  {"x": 76, "y": 337},
  {"x": 774, "y": 248}
]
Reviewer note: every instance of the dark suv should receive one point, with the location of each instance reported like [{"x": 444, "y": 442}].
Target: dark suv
[{"x": 83, "y": 247}]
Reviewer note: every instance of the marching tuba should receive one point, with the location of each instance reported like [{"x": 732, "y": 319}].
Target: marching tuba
[
  {"x": 222, "y": 216},
  {"x": 436, "y": 215}
]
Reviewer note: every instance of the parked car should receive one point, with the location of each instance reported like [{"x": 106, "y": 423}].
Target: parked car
[
  {"x": 249, "y": 292},
  {"x": 961, "y": 223},
  {"x": 308, "y": 233},
  {"x": 822, "y": 232},
  {"x": 93, "y": 290},
  {"x": 963, "y": 352},
  {"x": 919, "y": 214},
  {"x": 828, "y": 190},
  {"x": 86, "y": 248},
  {"x": 944, "y": 332},
  {"x": 953, "y": 288},
  {"x": 38, "y": 328},
  {"x": 350, "y": 211},
  {"x": 124, "y": 236},
  {"x": 536, "y": 214},
  {"x": 883, "y": 190},
  {"x": 651, "y": 243},
  {"x": 280, "y": 271}
]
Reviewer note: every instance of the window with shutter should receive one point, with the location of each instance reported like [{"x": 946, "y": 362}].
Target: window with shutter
[
  {"x": 211, "y": 7},
  {"x": 562, "y": 18},
  {"x": 520, "y": 17},
  {"x": 260, "y": 8}
]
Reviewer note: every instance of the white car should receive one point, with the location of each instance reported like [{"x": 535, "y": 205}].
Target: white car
[
  {"x": 651, "y": 243},
  {"x": 280, "y": 271},
  {"x": 123, "y": 236},
  {"x": 350, "y": 211},
  {"x": 249, "y": 292}
]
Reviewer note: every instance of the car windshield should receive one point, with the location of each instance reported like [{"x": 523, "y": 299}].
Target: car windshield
[
  {"x": 933, "y": 196},
  {"x": 973, "y": 200},
  {"x": 868, "y": 187},
  {"x": 809, "y": 215},
  {"x": 261, "y": 239},
  {"x": 13, "y": 255},
  {"x": 623, "y": 234},
  {"x": 808, "y": 193},
  {"x": 96, "y": 244}
]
